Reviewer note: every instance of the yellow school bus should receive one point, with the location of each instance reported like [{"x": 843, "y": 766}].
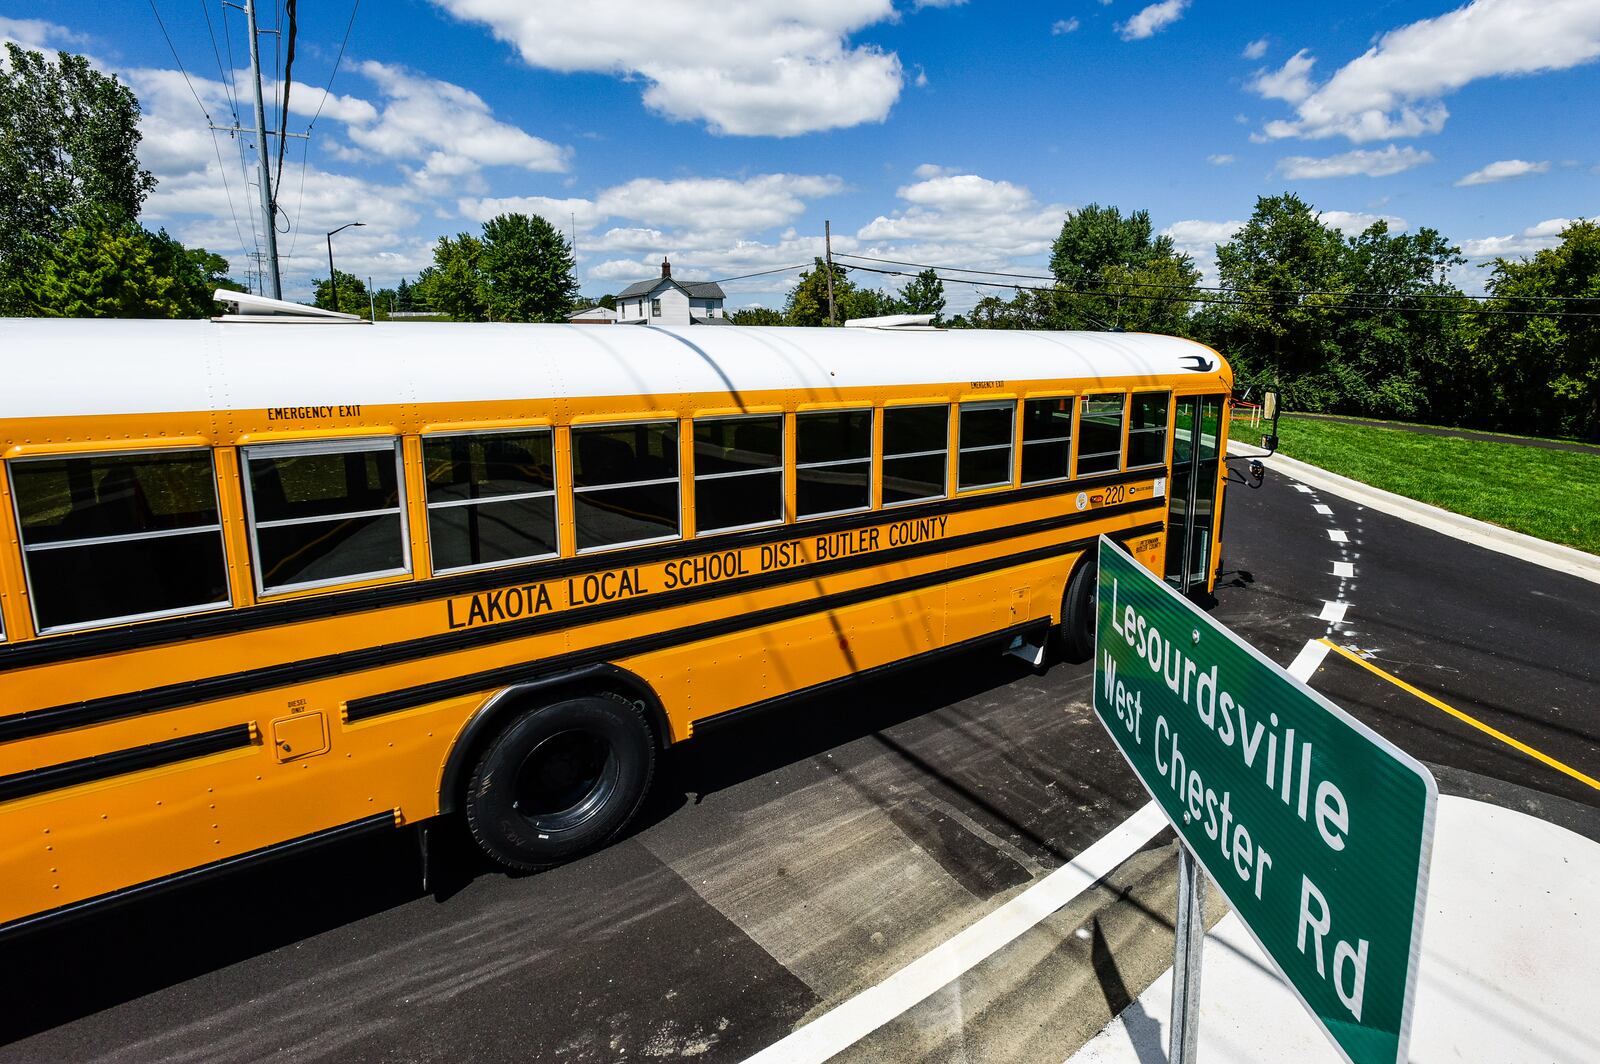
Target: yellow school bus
[{"x": 279, "y": 578}]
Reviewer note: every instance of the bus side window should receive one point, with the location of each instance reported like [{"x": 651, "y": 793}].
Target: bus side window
[
  {"x": 916, "y": 451},
  {"x": 119, "y": 537},
  {"x": 1046, "y": 439},
  {"x": 491, "y": 498},
  {"x": 1147, "y": 428},
  {"x": 625, "y": 486},
  {"x": 983, "y": 445},
  {"x": 833, "y": 462},
  {"x": 325, "y": 512},
  {"x": 1100, "y": 434},
  {"x": 738, "y": 472}
]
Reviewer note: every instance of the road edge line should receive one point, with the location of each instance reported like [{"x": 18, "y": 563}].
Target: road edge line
[
  {"x": 850, "y": 1021},
  {"x": 1519, "y": 545}
]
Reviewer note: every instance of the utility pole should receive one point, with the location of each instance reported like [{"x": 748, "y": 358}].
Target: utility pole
[
  {"x": 262, "y": 154},
  {"x": 372, "y": 306},
  {"x": 827, "y": 245}
]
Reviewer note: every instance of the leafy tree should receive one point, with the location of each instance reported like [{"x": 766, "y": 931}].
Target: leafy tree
[
  {"x": 69, "y": 136},
  {"x": 608, "y": 301},
  {"x": 352, "y": 294},
  {"x": 109, "y": 268},
  {"x": 1028, "y": 309},
  {"x": 452, "y": 285},
  {"x": 924, "y": 294},
  {"x": 526, "y": 267},
  {"x": 807, "y": 303},
  {"x": 1543, "y": 364},
  {"x": 757, "y": 316},
  {"x": 385, "y": 300},
  {"x": 402, "y": 296},
  {"x": 1115, "y": 273},
  {"x": 1281, "y": 274},
  {"x": 866, "y": 303}
]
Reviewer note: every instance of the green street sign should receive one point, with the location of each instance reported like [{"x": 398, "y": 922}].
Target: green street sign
[{"x": 1317, "y": 830}]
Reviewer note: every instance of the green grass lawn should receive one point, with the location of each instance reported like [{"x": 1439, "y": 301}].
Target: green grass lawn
[{"x": 1554, "y": 495}]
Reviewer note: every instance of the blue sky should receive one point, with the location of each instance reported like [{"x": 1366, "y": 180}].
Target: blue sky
[{"x": 937, "y": 131}]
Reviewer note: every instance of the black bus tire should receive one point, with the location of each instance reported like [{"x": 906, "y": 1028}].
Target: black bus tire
[
  {"x": 1076, "y": 634},
  {"x": 560, "y": 780}
]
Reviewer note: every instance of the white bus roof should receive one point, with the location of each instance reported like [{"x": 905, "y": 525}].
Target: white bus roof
[{"x": 57, "y": 367}]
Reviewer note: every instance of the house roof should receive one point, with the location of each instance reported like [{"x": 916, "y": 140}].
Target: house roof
[{"x": 694, "y": 289}]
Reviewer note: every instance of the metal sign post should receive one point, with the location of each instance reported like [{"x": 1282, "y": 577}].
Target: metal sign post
[{"x": 1189, "y": 939}]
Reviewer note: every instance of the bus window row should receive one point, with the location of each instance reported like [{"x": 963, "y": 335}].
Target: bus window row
[{"x": 114, "y": 538}]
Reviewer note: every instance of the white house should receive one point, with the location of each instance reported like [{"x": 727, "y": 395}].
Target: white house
[
  {"x": 664, "y": 301},
  {"x": 593, "y": 316}
]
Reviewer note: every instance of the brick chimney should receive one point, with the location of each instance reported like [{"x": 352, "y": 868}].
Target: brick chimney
[{"x": 666, "y": 268}]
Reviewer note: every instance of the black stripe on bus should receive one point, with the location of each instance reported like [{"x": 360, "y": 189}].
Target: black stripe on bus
[
  {"x": 228, "y": 865},
  {"x": 154, "y": 700},
  {"x": 50, "y": 649},
  {"x": 105, "y": 766},
  {"x": 527, "y": 672}
]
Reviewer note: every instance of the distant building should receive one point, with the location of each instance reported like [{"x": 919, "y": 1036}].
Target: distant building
[
  {"x": 664, "y": 301},
  {"x": 593, "y": 316}
]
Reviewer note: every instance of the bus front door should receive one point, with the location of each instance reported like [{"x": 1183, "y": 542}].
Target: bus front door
[{"x": 1191, "y": 510}]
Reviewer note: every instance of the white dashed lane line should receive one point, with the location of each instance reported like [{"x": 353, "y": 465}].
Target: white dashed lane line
[
  {"x": 1333, "y": 612},
  {"x": 1338, "y": 535},
  {"x": 1324, "y": 509}
]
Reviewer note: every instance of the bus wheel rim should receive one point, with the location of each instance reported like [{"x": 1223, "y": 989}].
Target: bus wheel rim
[{"x": 565, "y": 780}]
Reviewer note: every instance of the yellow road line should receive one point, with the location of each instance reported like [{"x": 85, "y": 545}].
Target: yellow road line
[{"x": 1466, "y": 719}]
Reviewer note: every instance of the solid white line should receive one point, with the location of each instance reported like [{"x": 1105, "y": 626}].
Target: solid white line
[
  {"x": 1345, "y": 569},
  {"x": 1323, "y": 508},
  {"x": 846, "y": 1024},
  {"x": 1306, "y": 662},
  {"x": 1333, "y": 611},
  {"x": 1338, "y": 536}
]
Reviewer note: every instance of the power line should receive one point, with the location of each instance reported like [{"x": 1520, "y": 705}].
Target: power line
[
  {"x": 764, "y": 273},
  {"x": 339, "y": 59},
  {"x": 175, "y": 59},
  {"x": 1235, "y": 302},
  {"x": 226, "y": 78},
  {"x": 288, "y": 84},
  {"x": 300, "y": 197},
  {"x": 1194, "y": 288}
]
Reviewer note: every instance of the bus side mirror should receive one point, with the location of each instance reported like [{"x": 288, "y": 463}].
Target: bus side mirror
[{"x": 1269, "y": 410}]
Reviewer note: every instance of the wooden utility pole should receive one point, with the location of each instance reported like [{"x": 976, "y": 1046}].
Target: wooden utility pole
[{"x": 827, "y": 245}]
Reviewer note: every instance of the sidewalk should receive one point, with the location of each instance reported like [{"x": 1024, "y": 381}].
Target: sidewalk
[{"x": 1508, "y": 962}]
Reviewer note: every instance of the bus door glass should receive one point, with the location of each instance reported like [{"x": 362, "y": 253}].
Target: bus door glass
[{"x": 1191, "y": 513}]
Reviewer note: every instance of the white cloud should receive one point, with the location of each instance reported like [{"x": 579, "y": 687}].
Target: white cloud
[
  {"x": 1354, "y": 223},
  {"x": 1547, "y": 234},
  {"x": 927, "y": 170},
  {"x": 1198, "y": 239},
  {"x": 36, "y": 33},
  {"x": 756, "y": 68},
  {"x": 1255, "y": 49},
  {"x": 1152, "y": 20},
  {"x": 1502, "y": 170},
  {"x": 920, "y": 4},
  {"x": 1379, "y": 163},
  {"x": 1395, "y": 88},
  {"x": 1063, "y": 26},
  {"x": 718, "y": 204},
  {"x": 1221, "y": 159},
  {"x": 1290, "y": 82},
  {"x": 965, "y": 217},
  {"x": 449, "y": 128}
]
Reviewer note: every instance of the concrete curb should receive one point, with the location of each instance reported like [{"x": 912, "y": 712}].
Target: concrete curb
[{"x": 1567, "y": 560}]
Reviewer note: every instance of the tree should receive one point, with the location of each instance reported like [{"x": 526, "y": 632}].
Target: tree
[
  {"x": 757, "y": 316},
  {"x": 608, "y": 301},
  {"x": 866, "y": 303},
  {"x": 69, "y": 136},
  {"x": 104, "y": 268},
  {"x": 1542, "y": 364},
  {"x": 924, "y": 294},
  {"x": 352, "y": 294},
  {"x": 526, "y": 268},
  {"x": 452, "y": 285},
  {"x": 807, "y": 303},
  {"x": 1115, "y": 273}
]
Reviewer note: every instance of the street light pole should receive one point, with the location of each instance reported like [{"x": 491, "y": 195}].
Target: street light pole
[{"x": 333, "y": 278}]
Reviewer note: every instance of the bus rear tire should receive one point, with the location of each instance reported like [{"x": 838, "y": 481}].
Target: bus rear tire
[
  {"x": 1076, "y": 633},
  {"x": 560, "y": 780}
]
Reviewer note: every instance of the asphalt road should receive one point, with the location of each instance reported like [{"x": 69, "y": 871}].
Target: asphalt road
[{"x": 784, "y": 866}]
